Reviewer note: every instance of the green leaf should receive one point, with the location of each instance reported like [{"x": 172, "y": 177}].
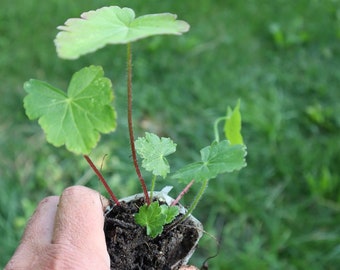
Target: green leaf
[
  {"x": 170, "y": 212},
  {"x": 112, "y": 25},
  {"x": 218, "y": 158},
  {"x": 232, "y": 127},
  {"x": 153, "y": 150},
  {"x": 74, "y": 119},
  {"x": 152, "y": 218}
]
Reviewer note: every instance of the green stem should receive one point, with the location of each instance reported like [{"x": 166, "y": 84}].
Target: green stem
[
  {"x": 218, "y": 120},
  {"x": 130, "y": 124},
  {"x": 197, "y": 199},
  {"x": 153, "y": 182}
]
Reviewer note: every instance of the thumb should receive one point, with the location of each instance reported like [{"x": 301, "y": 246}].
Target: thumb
[{"x": 79, "y": 226}]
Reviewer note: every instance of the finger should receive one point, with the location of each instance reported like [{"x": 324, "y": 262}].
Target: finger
[
  {"x": 79, "y": 221},
  {"x": 40, "y": 227},
  {"x": 38, "y": 233}
]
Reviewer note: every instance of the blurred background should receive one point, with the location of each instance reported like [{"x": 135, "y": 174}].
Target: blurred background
[{"x": 281, "y": 58}]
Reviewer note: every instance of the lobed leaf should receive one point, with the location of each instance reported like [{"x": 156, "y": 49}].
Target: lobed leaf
[
  {"x": 218, "y": 158},
  {"x": 76, "y": 118},
  {"x": 170, "y": 212},
  {"x": 152, "y": 218},
  {"x": 153, "y": 150},
  {"x": 112, "y": 25}
]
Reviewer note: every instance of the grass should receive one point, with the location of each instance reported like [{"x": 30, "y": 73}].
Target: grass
[{"x": 282, "y": 59}]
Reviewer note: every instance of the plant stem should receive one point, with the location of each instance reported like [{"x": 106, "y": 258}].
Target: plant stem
[
  {"x": 153, "y": 182},
  {"x": 185, "y": 190},
  {"x": 130, "y": 124},
  {"x": 101, "y": 178},
  {"x": 217, "y": 136},
  {"x": 197, "y": 199}
]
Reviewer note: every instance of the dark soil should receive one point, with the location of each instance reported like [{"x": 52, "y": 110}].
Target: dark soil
[{"x": 131, "y": 249}]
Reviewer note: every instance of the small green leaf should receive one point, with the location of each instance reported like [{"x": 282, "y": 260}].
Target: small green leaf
[
  {"x": 152, "y": 218},
  {"x": 153, "y": 150},
  {"x": 232, "y": 127},
  {"x": 112, "y": 25},
  {"x": 218, "y": 158},
  {"x": 76, "y": 118},
  {"x": 170, "y": 212}
]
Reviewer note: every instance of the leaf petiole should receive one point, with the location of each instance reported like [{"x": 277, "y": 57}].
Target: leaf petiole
[
  {"x": 185, "y": 190},
  {"x": 130, "y": 124},
  {"x": 216, "y": 123},
  {"x": 101, "y": 178},
  {"x": 197, "y": 198},
  {"x": 153, "y": 182}
]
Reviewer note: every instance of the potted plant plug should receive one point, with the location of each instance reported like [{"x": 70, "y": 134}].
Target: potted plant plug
[{"x": 148, "y": 230}]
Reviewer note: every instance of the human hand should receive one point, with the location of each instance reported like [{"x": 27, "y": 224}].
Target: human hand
[{"x": 65, "y": 232}]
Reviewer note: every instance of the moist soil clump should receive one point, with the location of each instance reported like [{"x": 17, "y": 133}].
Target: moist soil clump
[{"x": 131, "y": 249}]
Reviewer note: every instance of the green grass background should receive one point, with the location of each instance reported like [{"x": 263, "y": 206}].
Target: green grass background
[{"x": 281, "y": 58}]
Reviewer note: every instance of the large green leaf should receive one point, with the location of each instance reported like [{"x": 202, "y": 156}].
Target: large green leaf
[
  {"x": 112, "y": 25},
  {"x": 218, "y": 158},
  {"x": 76, "y": 118},
  {"x": 153, "y": 150}
]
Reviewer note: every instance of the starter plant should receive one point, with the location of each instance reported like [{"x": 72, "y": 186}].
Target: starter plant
[{"x": 147, "y": 231}]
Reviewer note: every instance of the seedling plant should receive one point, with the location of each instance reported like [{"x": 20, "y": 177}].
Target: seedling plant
[{"x": 77, "y": 117}]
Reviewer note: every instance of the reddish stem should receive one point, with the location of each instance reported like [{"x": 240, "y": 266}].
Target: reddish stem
[
  {"x": 101, "y": 178},
  {"x": 130, "y": 124},
  {"x": 185, "y": 190}
]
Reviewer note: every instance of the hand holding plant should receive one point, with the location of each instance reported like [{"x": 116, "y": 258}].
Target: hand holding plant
[
  {"x": 64, "y": 226},
  {"x": 76, "y": 119}
]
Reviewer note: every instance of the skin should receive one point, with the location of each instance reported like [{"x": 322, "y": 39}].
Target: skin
[{"x": 66, "y": 232}]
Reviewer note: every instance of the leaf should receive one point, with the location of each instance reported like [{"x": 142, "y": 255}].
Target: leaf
[
  {"x": 112, "y": 25},
  {"x": 170, "y": 212},
  {"x": 232, "y": 127},
  {"x": 218, "y": 158},
  {"x": 76, "y": 118},
  {"x": 152, "y": 218},
  {"x": 153, "y": 150}
]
